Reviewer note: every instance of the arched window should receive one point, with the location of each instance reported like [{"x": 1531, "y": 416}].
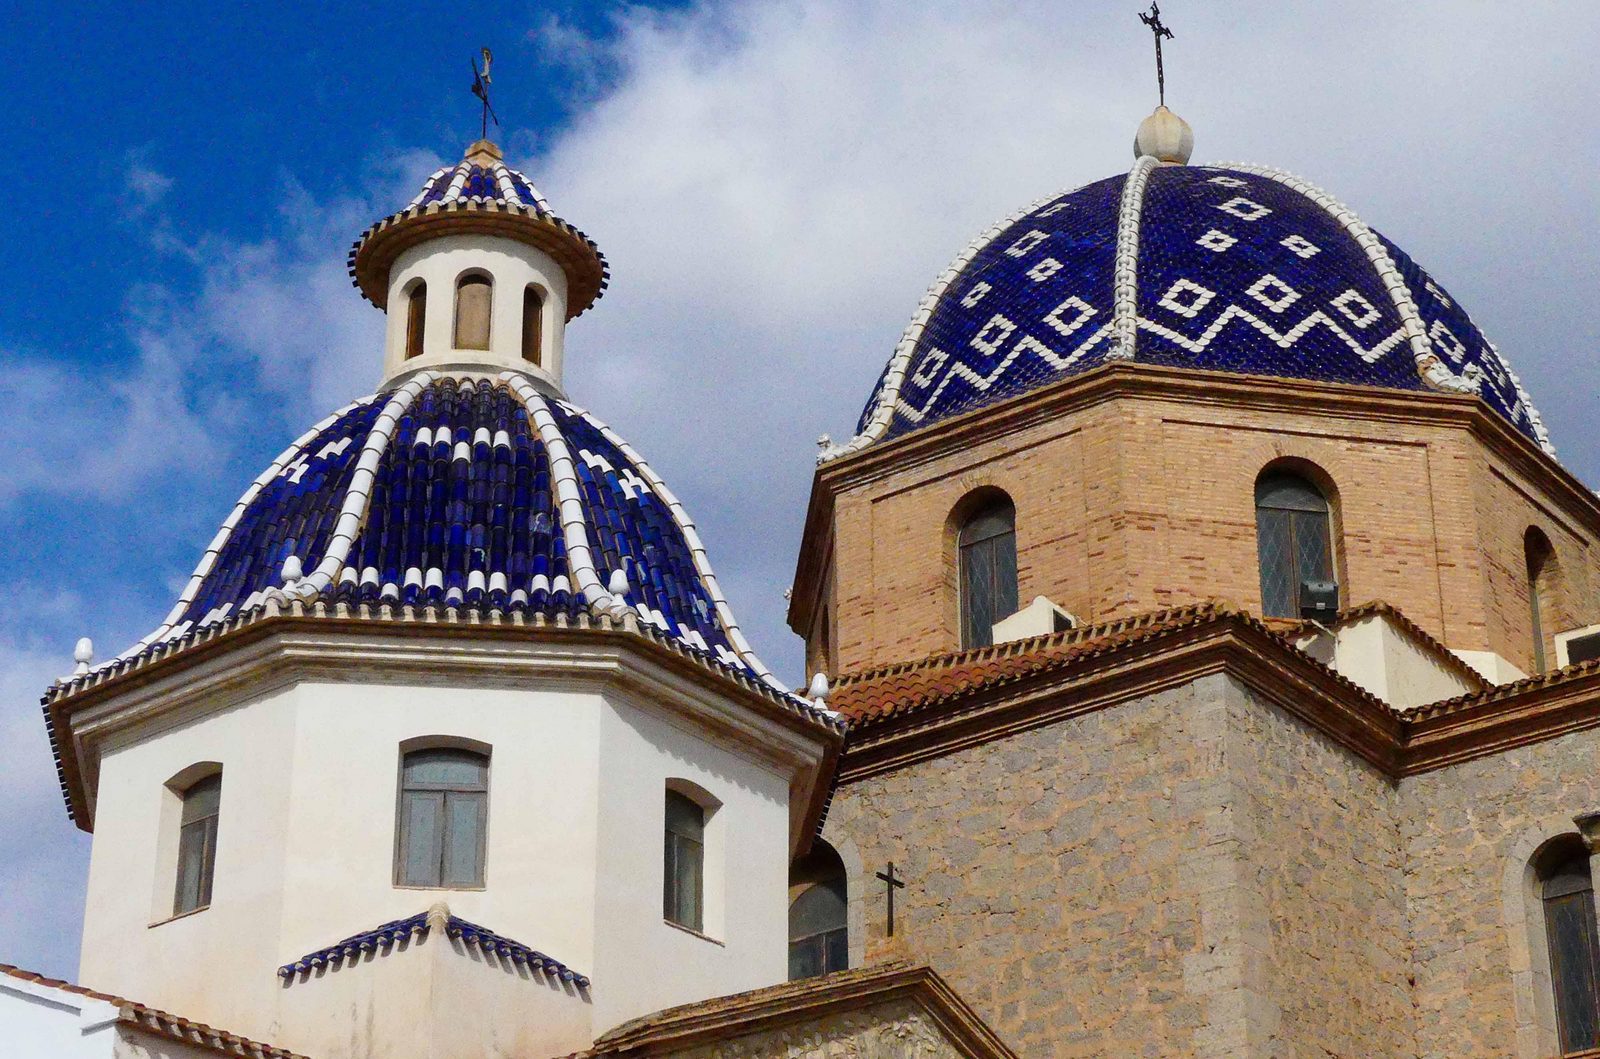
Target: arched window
[
  {"x": 197, "y": 844},
  {"x": 444, "y": 814},
  {"x": 416, "y": 319},
  {"x": 683, "y": 898},
  {"x": 1539, "y": 557},
  {"x": 1566, "y": 892},
  {"x": 986, "y": 549},
  {"x": 818, "y": 932},
  {"x": 1293, "y": 539},
  {"x": 532, "y": 325},
  {"x": 474, "y": 295}
]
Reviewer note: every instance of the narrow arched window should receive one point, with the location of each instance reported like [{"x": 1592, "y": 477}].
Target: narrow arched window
[
  {"x": 818, "y": 932},
  {"x": 474, "y": 295},
  {"x": 197, "y": 844},
  {"x": 986, "y": 549},
  {"x": 1294, "y": 541},
  {"x": 532, "y": 325},
  {"x": 416, "y": 319},
  {"x": 1566, "y": 890},
  {"x": 1538, "y": 556},
  {"x": 683, "y": 898},
  {"x": 444, "y": 814}
]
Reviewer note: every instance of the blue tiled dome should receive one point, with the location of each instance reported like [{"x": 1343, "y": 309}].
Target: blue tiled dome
[
  {"x": 1227, "y": 268},
  {"x": 473, "y": 493}
]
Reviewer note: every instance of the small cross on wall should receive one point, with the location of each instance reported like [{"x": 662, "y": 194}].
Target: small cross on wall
[{"x": 891, "y": 884}]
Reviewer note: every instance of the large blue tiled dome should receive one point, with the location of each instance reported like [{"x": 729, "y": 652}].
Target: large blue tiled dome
[
  {"x": 1227, "y": 268},
  {"x": 471, "y": 493}
]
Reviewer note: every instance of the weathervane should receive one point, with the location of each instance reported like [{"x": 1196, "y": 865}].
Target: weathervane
[
  {"x": 1153, "y": 20},
  {"x": 480, "y": 88}
]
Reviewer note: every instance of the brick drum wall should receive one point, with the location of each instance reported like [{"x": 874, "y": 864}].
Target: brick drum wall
[
  {"x": 1189, "y": 874},
  {"x": 1466, "y": 830}
]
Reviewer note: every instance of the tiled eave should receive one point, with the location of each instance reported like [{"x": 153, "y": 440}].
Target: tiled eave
[
  {"x": 299, "y": 636},
  {"x": 951, "y": 702},
  {"x": 1073, "y": 394},
  {"x": 375, "y": 251}
]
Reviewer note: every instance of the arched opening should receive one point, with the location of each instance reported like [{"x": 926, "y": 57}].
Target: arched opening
[
  {"x": 819, "y": 938},
  {"x": 416, "y": 319},
  {"x": 986, "y": 565},
  {"x": 443, "y": 817},
  {"x": 474, "y": 300},
  {"x": 197, "y": 843},
  {"x": 1566, "y": 897},
  {"x": 1294, "y": 540},
  {"x": 1539, "y": 559},
  {"x": 532, "y": 325}
]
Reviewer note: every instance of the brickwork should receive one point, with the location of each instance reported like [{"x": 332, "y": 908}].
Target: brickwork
[
  {"x": 1468, "y": 833},
  {"x": 1188, "y": 874},
  {"x": 1145, "y": 500}
]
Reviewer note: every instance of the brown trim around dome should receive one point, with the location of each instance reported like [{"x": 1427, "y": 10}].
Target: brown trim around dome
[{"x": 380, "y": 245}]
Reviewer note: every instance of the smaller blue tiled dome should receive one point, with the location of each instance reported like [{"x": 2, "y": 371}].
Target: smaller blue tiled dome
[
  {"x": 1224, "y": 268},
  {"x": 471, "y": 493},
  {"x": 481, "y": 176}
]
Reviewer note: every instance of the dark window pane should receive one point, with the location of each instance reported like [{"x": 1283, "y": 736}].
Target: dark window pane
[
  {"x": 1004, "y": 557},
  {"x": 817, "y": 910},
  {"x": 986, "y": 575},
  {"x": 806, "y": 958},
  {"x": 202, "y": 799},
  {"x": 1288, "y": 492},
  {"x": 685, "y": 817},
  {"x": 464, "y": 819},
  {"x": 421, "y": 838},
  {"x": 446, "y": 769},
  {"x": 197, "y": 845},
  {"x": 1278, "y": 588},
  {"x": 683, "y": 862},
  {"x": 1570, "y": 922},
  {"x": 1312, "y": 561}
]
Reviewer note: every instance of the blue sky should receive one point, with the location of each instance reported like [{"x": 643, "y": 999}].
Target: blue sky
[{"x": 775, "y": 184}]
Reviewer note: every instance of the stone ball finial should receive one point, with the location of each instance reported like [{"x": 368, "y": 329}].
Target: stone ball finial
[
  {"x": 1165, "y": 137},
  {"x": 618, "y": 585},
  {"x": 293, "y": 569},
  {"x": 83, "y": 654},
  {"x": 819, "y": 688}
]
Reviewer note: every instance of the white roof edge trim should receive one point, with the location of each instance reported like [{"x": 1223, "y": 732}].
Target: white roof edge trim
[
  {"x": 883, "y": 410},
  {"x": 1125, "y": 267},
  {"x": 702, "y": 562}
]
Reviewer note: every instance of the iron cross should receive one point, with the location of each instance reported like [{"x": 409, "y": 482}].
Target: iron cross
[
  {"x": 1152, "y": 18},
  {"x": 480, "y": 88},
  {"x": 891, "y": 884}
]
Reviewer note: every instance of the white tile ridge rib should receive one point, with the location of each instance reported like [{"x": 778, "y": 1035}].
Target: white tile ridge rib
[
  {"x": 1125, "y": 266},
  {"x": 209, "y": 559},
  {"x": 697, "y": 550},
  {"x": 358, "y": 494},
  {"x": 569, "y": 504},
  {"x": 1430, "y": 366},
  {"x": 895, "y": 376},
  {"x": 426, "y": 184}
]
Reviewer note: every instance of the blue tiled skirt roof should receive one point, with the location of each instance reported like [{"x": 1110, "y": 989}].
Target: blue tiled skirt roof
[{"x": 1225, "y": 268}]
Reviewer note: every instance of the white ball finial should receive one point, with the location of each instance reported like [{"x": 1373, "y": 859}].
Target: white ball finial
[
  {"x": 83, "y": 654},
  {"x": 1165, "y": 137},
  {"x": 819, "y": 687},
  {"x": 618, "y": 585},
  {"x": 292, "y": 570}
]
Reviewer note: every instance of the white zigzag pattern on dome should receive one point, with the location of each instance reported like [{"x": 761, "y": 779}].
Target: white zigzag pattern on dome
[{"x": 1284, "y": 339}]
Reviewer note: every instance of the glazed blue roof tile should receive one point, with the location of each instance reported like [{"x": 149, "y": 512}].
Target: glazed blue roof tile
[
  {"x": 1221, "y": 268},
  {"x": 463, "y": 509},
  {"x": 388, "y": 935},
  {"x": 467, "y": 179}
]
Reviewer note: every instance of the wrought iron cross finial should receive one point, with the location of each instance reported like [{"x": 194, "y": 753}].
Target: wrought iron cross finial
[
  {"x": 1152, "y": 18},
  {"x": 480, "y": 88}
]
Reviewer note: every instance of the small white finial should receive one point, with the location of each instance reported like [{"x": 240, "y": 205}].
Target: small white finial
[
  {"x": 819, "y": 687},
  {"x": 618, "y": 585},
  {"x": 825, "y": 441},
  {"x": 1165, "y": 137},
  {"x": 83, "y": 654},
  {"x": 292, "y": 570}
]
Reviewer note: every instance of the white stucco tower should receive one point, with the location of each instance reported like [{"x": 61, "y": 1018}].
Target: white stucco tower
[{"x": 452, "y": 722}]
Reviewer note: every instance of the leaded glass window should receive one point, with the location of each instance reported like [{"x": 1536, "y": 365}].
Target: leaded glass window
[
  {"x": 197, "y": 844},
  {"x": 1567, "y": 890},
  {"x": 444, "y": 813},
  {"x": 987, "y": 561},
  {"x": 818, "y": 932},
  {"x": 683, "y": 897},
  {"x": 1293, "y": 539}
]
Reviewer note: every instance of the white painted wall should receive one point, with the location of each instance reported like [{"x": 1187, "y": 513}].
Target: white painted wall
[
  {"x": 512, "y": 266},
  {"x": 1380, "y": 656},
  {"x": 38, "y": 1020},
  {"x": 305, "y": 854}
]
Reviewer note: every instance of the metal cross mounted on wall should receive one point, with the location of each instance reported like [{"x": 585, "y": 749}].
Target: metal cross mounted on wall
[
  {"x": 480, "y": 88},
  {"x": 891, "y": 884},
  {"x": 1152, "y": 18}
]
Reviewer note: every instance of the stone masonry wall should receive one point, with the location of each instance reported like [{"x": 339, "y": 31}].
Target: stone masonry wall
[
  {"x": 1190, "y": 874},
  {"x": 1469, "y": 832}
]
